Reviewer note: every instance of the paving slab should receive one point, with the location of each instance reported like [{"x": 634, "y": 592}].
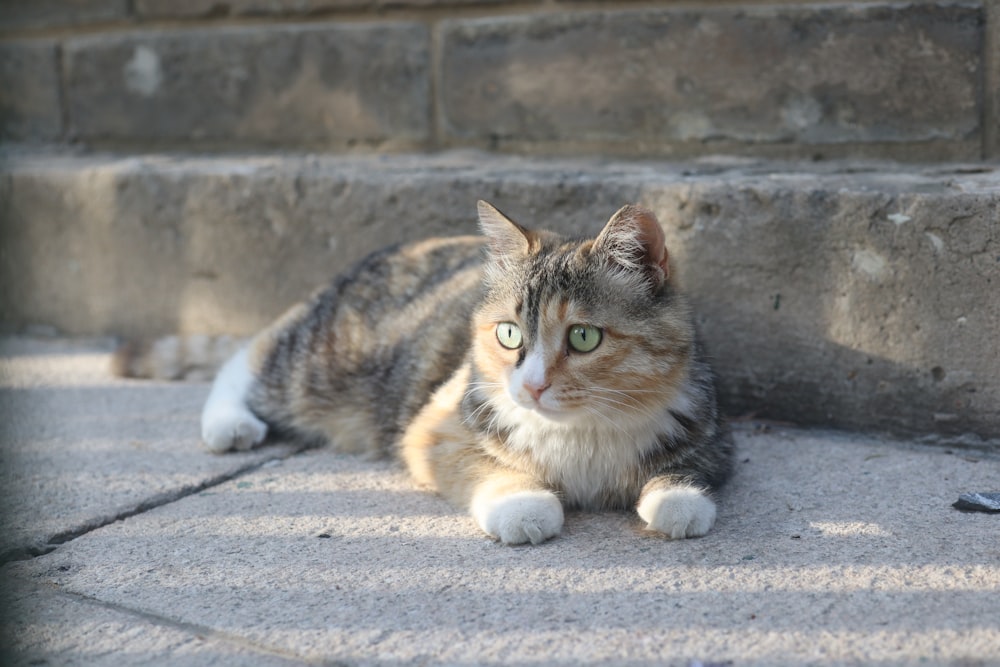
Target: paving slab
[
  {"x": 79, "y": 448},
  {"x": 830, "y": 549},
  {"x": 57, "y": 628}
]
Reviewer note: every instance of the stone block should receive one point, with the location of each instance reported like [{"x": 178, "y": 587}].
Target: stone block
[
  {"x": 828, "y": 295},
  {"x": 42, "y": 14},
  {"x": 212, "y": 8},
  {"x": 29, "y": 91},
  {"x": 314, "y": 86},
  {"x": 659, "y": 80},
  {"x": 991, "y": 57},
  {"x": 156, "y": 9}
]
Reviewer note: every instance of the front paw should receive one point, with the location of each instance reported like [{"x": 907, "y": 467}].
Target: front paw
[
  {"x": 524, "y": 516},
  {"x": 678, "y": 512}
]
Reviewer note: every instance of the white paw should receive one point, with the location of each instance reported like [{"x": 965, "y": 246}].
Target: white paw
[
  {"x": 231, "y": 428},
  {"x": 527, "y": 516},
  {"x": 678, "y": 512}
]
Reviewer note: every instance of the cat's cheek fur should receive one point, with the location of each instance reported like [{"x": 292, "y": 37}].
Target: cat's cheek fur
[
  {"x": 226, "y": 421},
  {"x": 678, "y": 512},
  {"x": 519, "y": 517}
]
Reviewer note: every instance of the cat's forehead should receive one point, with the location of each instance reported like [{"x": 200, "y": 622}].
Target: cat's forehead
[
  {"x": 562, "y": 276},
  {"x": 555, "y": 298},
  {"x": 558, "y": 266}
]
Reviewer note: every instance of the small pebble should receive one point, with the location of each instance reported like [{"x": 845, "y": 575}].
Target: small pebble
[{"x": 978, "y": 502}]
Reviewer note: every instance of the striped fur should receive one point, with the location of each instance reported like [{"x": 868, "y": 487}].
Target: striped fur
[{"x": 402, "y": 356}]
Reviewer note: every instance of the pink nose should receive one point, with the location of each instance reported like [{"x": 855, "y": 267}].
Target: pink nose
[{"x": 536, "y": 391}]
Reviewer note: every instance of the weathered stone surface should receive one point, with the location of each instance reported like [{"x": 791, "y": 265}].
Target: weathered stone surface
[
  {"x": 211, "y": 8},
  {"x": 29, "y": 91},
  {"x": 827, "y": 551},
  {"x": 658, "y": 80},
  {"x": 80, "y": 449},
  {"x": 858, "y": 298},
  {"x": 44, "y": 626},
  {"x": 214, "y": 8},
  {"x": 318, "y": 86},
  {"x": 991, "y": 58},
  {"x": 913, "y": 81},
  {"x": 31, "y": 14}
]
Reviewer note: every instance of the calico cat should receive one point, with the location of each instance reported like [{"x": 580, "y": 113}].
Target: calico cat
[{"x": 515, "y": 374}]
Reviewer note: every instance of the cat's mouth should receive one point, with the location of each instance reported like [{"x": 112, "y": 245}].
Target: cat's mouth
[
  {"x": 547, "y": 408},
  {"x": 550, "y": 404}
]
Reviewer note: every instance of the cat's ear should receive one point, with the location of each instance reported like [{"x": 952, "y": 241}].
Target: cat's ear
[
  {"x": 633, "y": 240},
  {"x": 506, "y": 237}
]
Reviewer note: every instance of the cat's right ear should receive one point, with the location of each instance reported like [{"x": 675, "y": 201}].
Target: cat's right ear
[
  {"x": 633, "y": 241},
  {"x": 506, "y": 237}
]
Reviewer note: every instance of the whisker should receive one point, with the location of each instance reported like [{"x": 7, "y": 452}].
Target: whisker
[
  {"x": 622, "y": 392},
  {"x": 597, "y": 413},
  {"x": 609, "y": 411},
  {"x": 475, "y": 413},
  {"x": 626, "y": 409},
  {"x": 478, "y": 384},
  {"x": 607, "y": 399},
  {"x": 494, "y": 422},
  {"x": 625, "y": 401}
]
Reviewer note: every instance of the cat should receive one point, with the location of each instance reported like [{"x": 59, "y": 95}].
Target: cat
[{"x": 515, "y": 374}]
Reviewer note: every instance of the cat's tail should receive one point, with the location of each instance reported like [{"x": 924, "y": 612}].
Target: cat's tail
[{"x": 195, "y": 357}]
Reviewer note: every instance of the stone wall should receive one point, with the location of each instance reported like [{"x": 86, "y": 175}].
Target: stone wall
[
  {"x": 196, "y": 166},
  {"x": 914, "y": 81}
]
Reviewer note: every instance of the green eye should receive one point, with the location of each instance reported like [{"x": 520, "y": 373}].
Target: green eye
[
  {"x": 584, "y": 337},
  {"x": 509, "y": 335}
]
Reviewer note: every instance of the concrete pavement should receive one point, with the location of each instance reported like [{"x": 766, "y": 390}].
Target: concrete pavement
[{"x": 128, "y": 544}]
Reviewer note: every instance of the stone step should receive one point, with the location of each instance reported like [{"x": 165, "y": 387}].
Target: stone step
[
  {"x": 887, "y": 80},
  {"x": 860, "y": 297}
]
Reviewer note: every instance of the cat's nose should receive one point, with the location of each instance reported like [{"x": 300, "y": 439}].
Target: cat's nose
[{"x": 536, "y": 390}]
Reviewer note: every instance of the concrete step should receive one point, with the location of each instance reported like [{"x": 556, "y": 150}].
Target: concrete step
[
  {"x": 828, "y": 550},
  {"x": 860, "y": 297}
]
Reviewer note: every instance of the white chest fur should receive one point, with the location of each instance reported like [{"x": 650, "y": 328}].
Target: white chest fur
[{"x": 585, "y": 459}]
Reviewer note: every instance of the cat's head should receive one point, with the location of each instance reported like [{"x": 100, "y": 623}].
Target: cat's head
[{"x": 580, "y": 331}]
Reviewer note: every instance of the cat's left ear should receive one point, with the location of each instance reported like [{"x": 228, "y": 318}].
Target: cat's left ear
[
  {"x": 506, "y": 237},
  {"x": 633, "y": 239}
]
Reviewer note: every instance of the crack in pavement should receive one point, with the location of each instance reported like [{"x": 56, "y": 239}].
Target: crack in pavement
[
  {"x": 193, "y": 630},
  {"x": 51, "y": 543}
]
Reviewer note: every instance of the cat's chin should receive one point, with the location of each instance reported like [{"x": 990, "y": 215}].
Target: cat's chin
[
  {"x": 558, "y": 416},
  {"x": 555, "y": 415}
]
